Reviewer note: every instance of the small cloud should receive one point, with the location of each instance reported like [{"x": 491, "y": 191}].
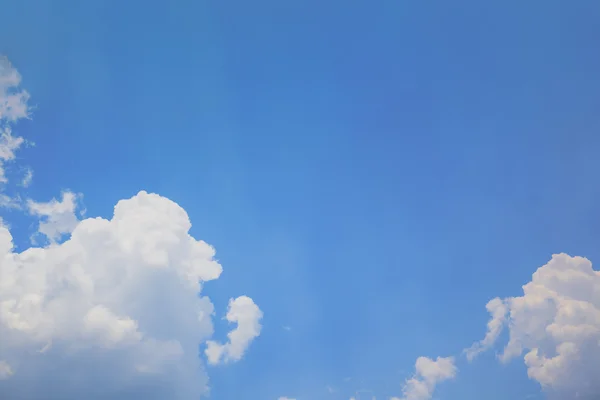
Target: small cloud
[
  {"x": 498, "y": 310},
  {"x": 27, "y": 178},
  {"x": 9, "y": 144},
  {"x": 428, "y": 373},
  {"x": 13, "y": 106},
  {"x": 13, "y": 203},
  {"x": 13, "y": 99},
  {"x": 57, "y": 217},
  {"x": 247, "y": 315},
  {"x": 286, "y": 328}
]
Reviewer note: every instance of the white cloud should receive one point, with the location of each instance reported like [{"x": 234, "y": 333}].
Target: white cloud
[
  {"x": 498, "y": 311},
  {"x": 13, "y": 106},
  {"x": 113, "y": 311},
  {"x": 9, "y": 144},
  {"x": 27, "y": 178},
  {"x": 556, "y": 324},
  {"x": 13, "y": 99},
  {"x": 247, "y": 315},
  {"x": 10, "y": 202},
  {"x": 57, "y": 217},
  {"x": 286, "y": 398},
  {"x": 428, "y": 374},
  {"x": 115, "y": 307}
]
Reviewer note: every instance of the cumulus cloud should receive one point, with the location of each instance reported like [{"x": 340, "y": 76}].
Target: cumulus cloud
[
  {"x": 428, "y": 374},
  {"x": 57, "y": 217},
  {"x": 109, "y": 308},
  {"x": 556, "y": 325},
  {"x": 119, "y": 296},
  {"x": 247, "y": 315}
]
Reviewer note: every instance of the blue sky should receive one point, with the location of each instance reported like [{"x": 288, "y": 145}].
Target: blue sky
[{"x": 371, "y": 174}]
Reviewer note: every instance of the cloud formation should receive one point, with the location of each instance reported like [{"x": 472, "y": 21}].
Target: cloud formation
[
  {"x": 120, "y": 293},
  {"x": 556, "y": 325},
  {"x": 498, "y": 311},
  {"x": 57, "y": 218},
  {"x": 13, "y": 106},
  {"x": 428, "y": 374},
  {"x": 13, "y": 99},
  {"x": 109, "y": 308},
  {"x": 247, "y": 315},
  {"x": 27, "y": 178}
]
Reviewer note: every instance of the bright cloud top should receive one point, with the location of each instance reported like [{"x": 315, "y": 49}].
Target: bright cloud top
[
  {"x": 556, "y": 323},
  {"x": 428, "y": 373},
  {"x": 110, "y": 308}
]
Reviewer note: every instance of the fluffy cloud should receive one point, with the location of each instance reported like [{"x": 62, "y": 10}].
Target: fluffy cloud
[
  {"x": 556, "y": 325},
  {"x": 109, "y": 308},
  {"x": 247, "y": 315},
  {"x": 114, "y": 310},
  {"x": 115, "y": 307},
  {"x": 428, "y": 373}
]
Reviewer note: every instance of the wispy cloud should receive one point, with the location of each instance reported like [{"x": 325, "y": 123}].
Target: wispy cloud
[{"x": 27, "y": 178}]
